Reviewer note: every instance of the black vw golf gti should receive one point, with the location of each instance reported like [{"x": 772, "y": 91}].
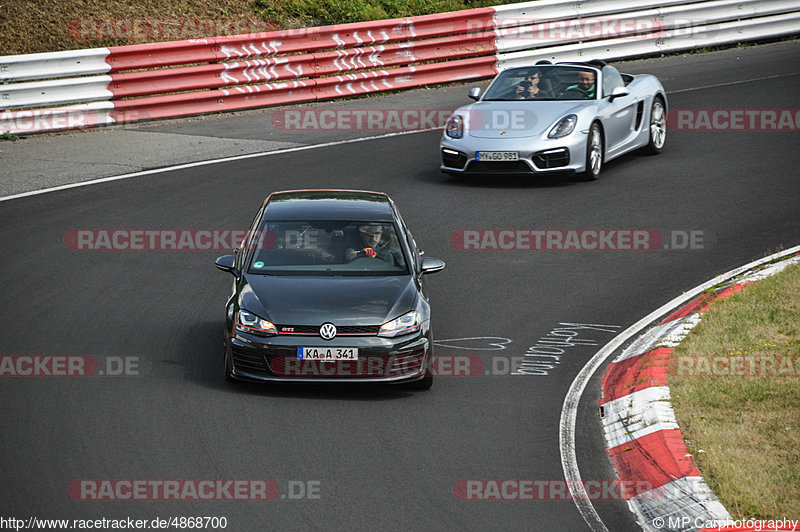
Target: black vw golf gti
[{"x": 328, "y": 286}]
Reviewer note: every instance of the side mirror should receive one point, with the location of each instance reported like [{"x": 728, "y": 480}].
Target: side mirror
[
  {"x": 432, "y": 265},
  {"x": 618, "y": 92},
  {"x": 225, "y": 263},
  {"x": 475, "y": 93}
]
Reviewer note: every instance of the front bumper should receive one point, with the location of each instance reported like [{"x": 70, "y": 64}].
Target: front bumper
[
  {"x": 566, "y": 155},
  {"x": 274, "y": 358}
]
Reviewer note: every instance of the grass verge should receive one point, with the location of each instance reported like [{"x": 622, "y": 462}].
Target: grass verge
[
  {"x": 735, "y": 386},
  {"x": 30, "y": 26}
]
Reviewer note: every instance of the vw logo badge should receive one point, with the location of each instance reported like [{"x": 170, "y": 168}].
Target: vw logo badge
[{"x": 327, "y": 331}]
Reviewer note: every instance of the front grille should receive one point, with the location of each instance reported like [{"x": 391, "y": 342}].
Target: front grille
[
  {"x": 552, "y": 158},
  {"x": 408, "y": 364},
  {"x": 376, "y": 366},
  {"x": 347, "y": 329},
  {"x": 454, "y": 161},
  {"x": 249, "y": 362},
  {"x": 499, "y": 167},
  {"x": 307, "y": 330}
]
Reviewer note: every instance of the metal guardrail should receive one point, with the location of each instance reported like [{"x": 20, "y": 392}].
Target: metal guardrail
[{"x": 171, "y": 79}]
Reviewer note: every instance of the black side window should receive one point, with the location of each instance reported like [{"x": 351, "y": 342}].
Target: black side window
[
  {"x": 412, "y": 245},
  {"x": 252, "y": 234}
]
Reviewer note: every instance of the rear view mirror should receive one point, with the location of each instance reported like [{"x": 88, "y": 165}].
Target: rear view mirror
[
  {"x": 432, "y": 265},
  {"x": 225, "y": 263},
  {"x": 618, "y": 92}
]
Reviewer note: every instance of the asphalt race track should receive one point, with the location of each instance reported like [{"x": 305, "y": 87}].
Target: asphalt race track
[{"x": 372, "y": 457}]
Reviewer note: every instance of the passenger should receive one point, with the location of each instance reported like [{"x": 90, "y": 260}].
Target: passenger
[
  {"x": 528, "y": 88},
  {"x": 521, "y": 90},
  {"x": 534, "y": 91}
]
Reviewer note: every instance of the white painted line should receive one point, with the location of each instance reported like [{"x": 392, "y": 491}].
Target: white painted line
[
  {"x": 738, "y": 82},
  {"x": 569, "y": 411},
  {"x": 772, "y": 270},
  {"x": 212, "y": 161},
  {"x": 665, "y": 335}
]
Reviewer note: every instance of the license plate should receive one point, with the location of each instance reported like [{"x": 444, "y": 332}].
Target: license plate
[
  {"x": 497, "y": 156},
  {"x": 327, "y": 353}
]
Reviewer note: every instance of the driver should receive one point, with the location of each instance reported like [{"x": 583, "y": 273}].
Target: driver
[
  {"x": 370, "y": 236},
  {"x": 584, "y": 89}
]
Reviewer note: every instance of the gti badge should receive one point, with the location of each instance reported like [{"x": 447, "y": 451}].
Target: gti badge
[{"x": 327, "y": 331}]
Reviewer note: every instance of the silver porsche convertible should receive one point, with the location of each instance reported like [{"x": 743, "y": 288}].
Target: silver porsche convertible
[{"x": 546, "y": 118}]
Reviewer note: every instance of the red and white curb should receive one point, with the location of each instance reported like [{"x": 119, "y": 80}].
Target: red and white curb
[{"x": 643, "y": 439}]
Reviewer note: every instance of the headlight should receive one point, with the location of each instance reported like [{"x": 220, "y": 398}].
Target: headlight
[
  {"x": 563, "y": 127},
  {"x": 250, "y": 323},
  {"x": 454, "y": 127},
  {"x": 405, "y": 324}
]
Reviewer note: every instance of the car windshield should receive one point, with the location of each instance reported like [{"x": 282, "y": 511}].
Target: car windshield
[
  {"x": 354, "y": 248},
  {"x": 553, "y": 82}
]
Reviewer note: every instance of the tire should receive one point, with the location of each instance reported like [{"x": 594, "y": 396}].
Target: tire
[
  {"x": 658, "y": 127},
  {"x": 594, "y": 153}
]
